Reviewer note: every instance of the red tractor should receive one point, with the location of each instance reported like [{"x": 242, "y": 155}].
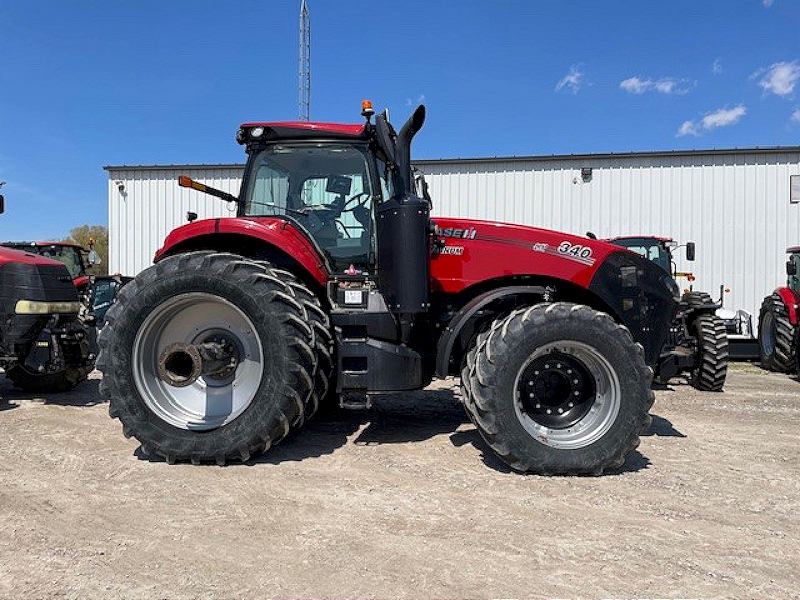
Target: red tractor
[
  {"x": 44, "y": 346},
  {"x": 778, "y": 319},
  {"x": 73, "y": 256},
  {"x": 333, "y": 279},
  {"x": 698, "y": 342}
]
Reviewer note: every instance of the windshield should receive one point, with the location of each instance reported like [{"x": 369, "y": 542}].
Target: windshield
[{"x": 324, "y": 187}]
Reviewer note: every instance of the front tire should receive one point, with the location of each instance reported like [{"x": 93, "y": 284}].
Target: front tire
[
  {"x": 205, "y": 296},
  {"x": 558, "y": 389},
  {"x": 776, "y": 335}
]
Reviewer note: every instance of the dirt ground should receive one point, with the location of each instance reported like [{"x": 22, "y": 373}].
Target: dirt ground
[{"x": 405, "y": 501}]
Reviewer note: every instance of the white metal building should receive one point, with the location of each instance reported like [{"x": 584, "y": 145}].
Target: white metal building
[{"x": 741, "y": 207}]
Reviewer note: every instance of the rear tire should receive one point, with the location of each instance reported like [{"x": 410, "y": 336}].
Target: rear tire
[
  {"x": 63, "y": 381},
  {"x": 712, "y": 354},
  {"x": 558, "y": 389},
  {"x": 776, "y": 335},
  {"x": 274, "y": 321}
]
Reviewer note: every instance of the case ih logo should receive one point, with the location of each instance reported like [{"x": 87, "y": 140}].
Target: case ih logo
[{"x": 457, "y": 232}]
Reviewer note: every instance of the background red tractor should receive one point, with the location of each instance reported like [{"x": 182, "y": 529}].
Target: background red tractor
[
  {"x": 778, "y": 319},
  {"x": 77, "y": 259},
  {"x": 44, "y": 346},
  {"x": 698, "y": 341},
  {"x": 333, "y": 280}
]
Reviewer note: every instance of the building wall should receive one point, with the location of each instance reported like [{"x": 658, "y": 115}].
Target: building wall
[
  {"x": 152, "y": 204},
  {"x": 734, "y": 205}
]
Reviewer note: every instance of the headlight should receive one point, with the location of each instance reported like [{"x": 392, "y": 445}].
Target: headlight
[
  {"x": 35, "y": 307},
  {"x": 672, "y": 286}
]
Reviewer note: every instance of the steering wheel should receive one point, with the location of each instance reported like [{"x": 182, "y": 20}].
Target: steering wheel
[{"x": 356, "y": 201}]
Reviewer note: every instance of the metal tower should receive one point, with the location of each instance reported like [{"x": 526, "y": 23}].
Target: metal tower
[{"x": 305, "y": 63}]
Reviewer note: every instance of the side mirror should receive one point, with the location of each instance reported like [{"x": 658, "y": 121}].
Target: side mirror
[
  {"x": 94, "y": 257},
  {"x": 791, "y": 268},
  {"x": 2, "y": 204},
  {"x": 690, "y": 251},
  {"x": 386, "y": 135}
]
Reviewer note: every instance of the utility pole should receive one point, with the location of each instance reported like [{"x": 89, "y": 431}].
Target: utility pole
[{"x": 305, "y": 63}]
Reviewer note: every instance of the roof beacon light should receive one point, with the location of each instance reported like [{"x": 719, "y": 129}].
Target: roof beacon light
[{"x": 366, "y": 109}]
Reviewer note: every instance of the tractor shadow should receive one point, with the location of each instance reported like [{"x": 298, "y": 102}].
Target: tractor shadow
[
  {"x": 662, "y": 427},
  {"x": 635, "y": 461},
  {"x": 6, "y": 405},
  {"x": 86, "y": 393},
  {"x": 393, "y": 419},
  {"x": 412, "y": 417}
]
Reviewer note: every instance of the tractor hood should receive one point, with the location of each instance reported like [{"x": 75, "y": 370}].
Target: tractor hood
[{"x": 468, "y": 251}]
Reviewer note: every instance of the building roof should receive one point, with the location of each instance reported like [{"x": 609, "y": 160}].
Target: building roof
[{"x": 531, "y": 158}]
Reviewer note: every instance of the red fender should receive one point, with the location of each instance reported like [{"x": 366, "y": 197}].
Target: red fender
[
  {"x": 271, "y": 230},
  {"x": 789, "y": 297}
]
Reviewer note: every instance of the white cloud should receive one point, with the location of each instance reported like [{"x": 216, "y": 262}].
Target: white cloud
[
  {"x": 716, "y": 68},
  {"x": 665, "y": 85},
  {"x": 634, "y": 85},
  {"x": 796, "y": 116},
  {"x": 780, "y": 78},
  {"x": 420, "y": 100},
  {"x": 688, "y": 128},
  {"x": 572, "y": 80},
  {"x": 719, "y": 118},
  {"x": 724, "y": 117},
  {"x": 668, "y": 85},
  {"x": 767, "y": 3}
]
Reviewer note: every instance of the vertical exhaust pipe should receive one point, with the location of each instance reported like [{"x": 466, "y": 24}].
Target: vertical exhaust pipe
[{"x": 402, "y": 228}]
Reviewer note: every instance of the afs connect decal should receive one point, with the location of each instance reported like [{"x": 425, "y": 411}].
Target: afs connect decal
[
  {"x": 576, "y": 252},
  {"x": 451, "y": 250}
]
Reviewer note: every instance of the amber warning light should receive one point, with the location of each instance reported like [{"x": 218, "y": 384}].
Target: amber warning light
[{"x": 366, "y": 109}]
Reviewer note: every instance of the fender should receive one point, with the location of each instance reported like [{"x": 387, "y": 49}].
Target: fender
[
  {"x": 789, "y": 298},
  {"x": 448, "y": 339},
  {"x": 277, "y": 232}
]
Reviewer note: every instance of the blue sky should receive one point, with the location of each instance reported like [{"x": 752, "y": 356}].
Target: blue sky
[{"x": 85, "y": 84}]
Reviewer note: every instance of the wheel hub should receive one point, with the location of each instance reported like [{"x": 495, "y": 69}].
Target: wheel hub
[
  {"x": 556, "y": 390},
  {"x": 198, "y": 361}
]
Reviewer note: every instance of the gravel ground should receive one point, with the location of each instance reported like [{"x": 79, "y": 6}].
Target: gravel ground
[{"x": 405, "y": 501}]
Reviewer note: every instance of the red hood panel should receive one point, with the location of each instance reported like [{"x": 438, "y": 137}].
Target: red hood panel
[
  {"x": 476, "y": 251},
  {"x": 7, "y": 255}
]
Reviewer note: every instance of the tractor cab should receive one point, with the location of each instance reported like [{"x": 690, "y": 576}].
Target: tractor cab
[
  {"x": 325, "y": 189},
  {"x": 793, "y": 268},
  {"x": 658, "y": 250}
]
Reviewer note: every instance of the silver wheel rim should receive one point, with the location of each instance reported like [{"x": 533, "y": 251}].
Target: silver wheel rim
[
  {"x": 599, "y": 418},
  {"x": 208, "y": 402}
]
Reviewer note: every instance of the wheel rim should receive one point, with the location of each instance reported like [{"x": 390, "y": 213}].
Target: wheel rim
[
  {"x": 567, "y": 395},
  {"x": 768, "y": 337},
  {"x": 210, "y": 401}
]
